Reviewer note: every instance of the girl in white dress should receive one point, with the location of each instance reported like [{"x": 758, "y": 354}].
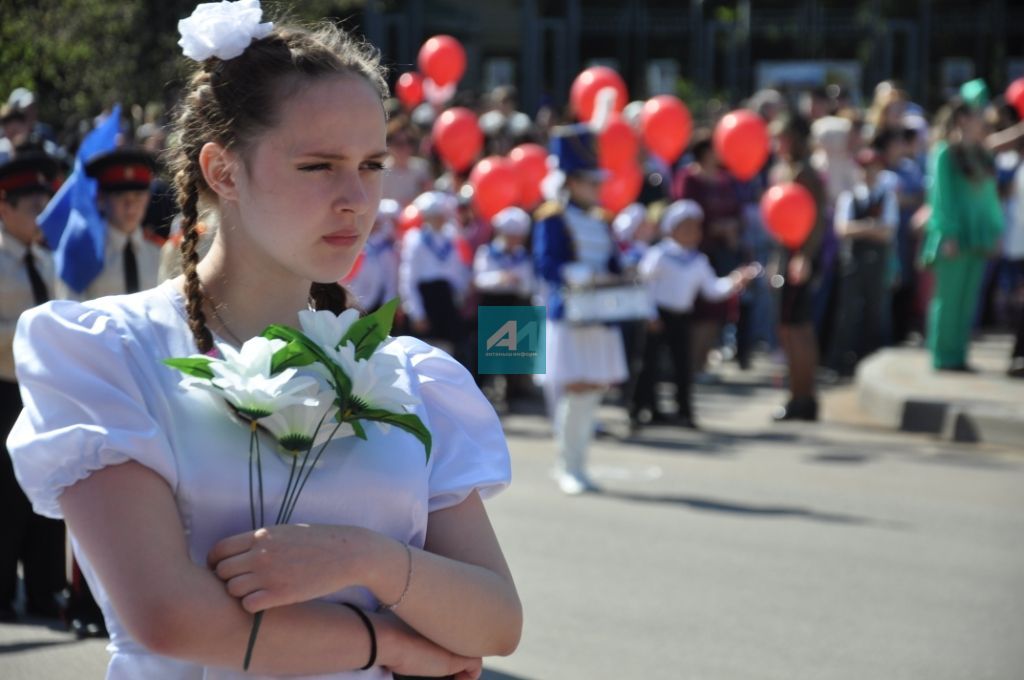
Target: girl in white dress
[{"x": 282, "y": 134}]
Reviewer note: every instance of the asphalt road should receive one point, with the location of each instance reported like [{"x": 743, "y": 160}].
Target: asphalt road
[{"x": 749, "y": 551}]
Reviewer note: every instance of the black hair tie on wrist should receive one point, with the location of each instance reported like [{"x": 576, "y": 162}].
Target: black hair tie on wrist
[{"x": 369, "y": 629}]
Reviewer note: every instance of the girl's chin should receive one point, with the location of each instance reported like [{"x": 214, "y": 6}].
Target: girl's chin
[{"x": 334, "y": 272}]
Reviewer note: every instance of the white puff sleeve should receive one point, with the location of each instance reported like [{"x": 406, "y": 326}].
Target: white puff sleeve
[
  {"x": 469, "y": 451},
  {"x": 84, "y": 407}
]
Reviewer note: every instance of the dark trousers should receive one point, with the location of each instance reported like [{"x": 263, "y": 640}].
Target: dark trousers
[
  {"x": 35, "y": 541},
  {"x": 675, "y": 336},
  {"x": 1018, "y": 346},
  {"x": 862, "y": 289}
]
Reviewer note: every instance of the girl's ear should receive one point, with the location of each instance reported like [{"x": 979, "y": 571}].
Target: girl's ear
[{"x": 219, "y": 166}]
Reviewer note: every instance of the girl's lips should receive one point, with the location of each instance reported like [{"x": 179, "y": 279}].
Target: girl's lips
[{"x": 341, "y": 239}]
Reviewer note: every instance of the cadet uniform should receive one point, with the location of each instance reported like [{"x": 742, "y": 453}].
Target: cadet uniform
[
  {"x": 26, "y": 280},
  {"x": 131, "y": 262}
]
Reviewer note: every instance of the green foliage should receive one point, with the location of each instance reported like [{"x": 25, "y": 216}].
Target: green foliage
[
  {"x": 370, "y": 331},
  {"x": 82, "y": 56},
  {"x": 197, "y": 367},
  {"x": 409, "y": 422},
  {"x": 301, "y": 351}
]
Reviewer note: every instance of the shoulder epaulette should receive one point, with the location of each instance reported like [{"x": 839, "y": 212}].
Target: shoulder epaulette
[{"x": 548, "y": 209}]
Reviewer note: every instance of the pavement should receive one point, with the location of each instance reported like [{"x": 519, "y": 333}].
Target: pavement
[
  {"x": 840, "y": 550},
  {"x": 899, "y": 388}
]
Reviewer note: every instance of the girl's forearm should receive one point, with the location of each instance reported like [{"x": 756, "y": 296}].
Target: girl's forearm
[
  {"x": 465, "y": 608},
  {"x": 303, "y": 639}
]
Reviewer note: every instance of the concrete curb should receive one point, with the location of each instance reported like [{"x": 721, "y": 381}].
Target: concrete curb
[{"x": 899, "y": 389}]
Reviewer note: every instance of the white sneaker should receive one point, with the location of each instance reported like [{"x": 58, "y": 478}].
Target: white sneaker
[{"x": 574, "y": 484}]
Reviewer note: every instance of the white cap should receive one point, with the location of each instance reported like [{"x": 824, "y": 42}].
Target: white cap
[
  {"x": 21, "y": 98},
  {"x": 511, "y": 222},
  {"x": 629, "y": 220},
  {"x": 433, "y": 204},
  {"x": 388, "y": 210},
  {"x": 679, "y": 211}
]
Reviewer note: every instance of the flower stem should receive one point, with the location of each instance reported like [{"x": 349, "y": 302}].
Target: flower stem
[
  {"x": 287, "y": 491},
  {"x": 252, "y": 499},
  {"x": 257, "y": 620},
  {"x": 259, "y": 472},
  {"x": 309, "y": 471}
]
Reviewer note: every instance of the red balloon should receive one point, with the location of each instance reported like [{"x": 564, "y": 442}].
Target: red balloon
[
  {"x": 617, "y": 145},
  {"x": 622, "y": 188},
  {"x": 531, "y": 165},
  {"x": 495, "y": 186},
  {"x": 442, "y": 59},
  {"x": 457, "y": 137},
  {"x": 409, "y": 218},
  {"x": 741, "y": 142},
  {"x": 1015, "y": 96},
  {"x": 409, "y": 89},
  {"x": 789, "y": 211},
  {"x": 666, "y": 124},
  {"x": 591, "y": 81}
]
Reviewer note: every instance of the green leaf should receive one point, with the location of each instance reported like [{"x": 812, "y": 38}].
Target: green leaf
[
  {"x": 304, "y": 344},
  {"x": 409, "y": 422},
  {"x": 368, "y": 332},
  {"x": 357, "y": 427},
  {"x": 292, "y": 355},
  {"x": 197, "y": 367}
]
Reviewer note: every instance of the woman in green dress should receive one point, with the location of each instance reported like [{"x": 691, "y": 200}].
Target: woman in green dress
[{"x": 963, "y": 230}]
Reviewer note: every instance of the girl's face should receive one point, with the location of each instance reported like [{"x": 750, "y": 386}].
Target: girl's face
[
  {"x": 972, "y": 126},
  {"x": 585, "y": 189},
  {"x": 307, "y": 197}
]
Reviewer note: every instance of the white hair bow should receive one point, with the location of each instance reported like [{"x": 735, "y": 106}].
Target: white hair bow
[{"x": 222, "y": 29}]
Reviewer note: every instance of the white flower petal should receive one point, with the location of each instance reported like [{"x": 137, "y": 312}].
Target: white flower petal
[
  {"x": 326, "y": 328},
  {"x": 222, "y": 29}
]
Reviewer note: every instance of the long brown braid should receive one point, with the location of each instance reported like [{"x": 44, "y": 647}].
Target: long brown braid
[{"x": 231, "y": 102}]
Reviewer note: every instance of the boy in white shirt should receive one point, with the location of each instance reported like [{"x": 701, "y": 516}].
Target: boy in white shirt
[
  {"x": 675, "y": 272},
  {"x": 866, "y": 221}
]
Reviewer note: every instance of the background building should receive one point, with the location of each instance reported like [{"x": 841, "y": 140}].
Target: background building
[{"x": 713, "y": 48}]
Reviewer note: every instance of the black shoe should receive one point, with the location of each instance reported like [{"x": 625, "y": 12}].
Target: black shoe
[
  {"x": 798, "y": 409},
  {"x": 686, "y": 422},
  {"x": 8, "y": 615},
  {"x": 960, "y": 368},
  {"x": 46, "y": 610}
]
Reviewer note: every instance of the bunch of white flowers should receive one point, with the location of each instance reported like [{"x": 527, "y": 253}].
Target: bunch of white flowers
[{"x": 306, "y": 388}]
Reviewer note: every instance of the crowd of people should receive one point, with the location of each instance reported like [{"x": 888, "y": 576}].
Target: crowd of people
[{"x": 918, "y": 237}]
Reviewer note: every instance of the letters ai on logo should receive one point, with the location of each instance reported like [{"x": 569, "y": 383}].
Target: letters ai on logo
[{"x": 509, "y": 337}]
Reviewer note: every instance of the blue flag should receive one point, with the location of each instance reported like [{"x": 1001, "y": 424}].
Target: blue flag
[{"x": 71, "y": 221}]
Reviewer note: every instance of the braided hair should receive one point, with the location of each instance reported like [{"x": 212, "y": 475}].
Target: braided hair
[{"x": 231, "y": 102}]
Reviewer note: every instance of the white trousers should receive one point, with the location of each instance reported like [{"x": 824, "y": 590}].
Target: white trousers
[{"x": 575, "y": 413}]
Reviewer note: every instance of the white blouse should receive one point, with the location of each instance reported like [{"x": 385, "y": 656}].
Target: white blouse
[
  {"x": 675, "y": 277},
  {"x": 97, "y": 394}
]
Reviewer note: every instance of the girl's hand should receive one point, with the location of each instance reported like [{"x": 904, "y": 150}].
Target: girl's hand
[
  {"x": 290, "y": 563},
  {"x": 403, "y": 651},
  {"x": 799, "y": 269},
  {"x": 950, "y": 248}
]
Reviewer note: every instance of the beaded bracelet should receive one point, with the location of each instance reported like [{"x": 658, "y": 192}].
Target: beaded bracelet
[
  {"x": 408, "y": 580},
  {"x": 369, "y": 629}
]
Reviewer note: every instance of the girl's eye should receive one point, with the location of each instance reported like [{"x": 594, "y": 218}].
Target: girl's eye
[
  {"x": 375, "y": 166},
  {"x": 315, "y": 167}
]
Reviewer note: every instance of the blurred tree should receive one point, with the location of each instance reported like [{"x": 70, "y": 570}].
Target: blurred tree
[{"x": 81, "y": 56}]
